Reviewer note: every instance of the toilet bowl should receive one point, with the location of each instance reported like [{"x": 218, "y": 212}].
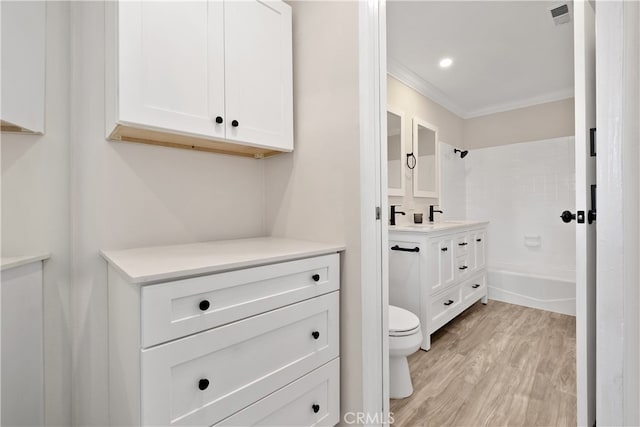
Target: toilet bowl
[{"x": 405, "y": 337}]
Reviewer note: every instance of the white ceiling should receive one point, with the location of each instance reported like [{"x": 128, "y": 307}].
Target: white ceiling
[{"x": 506, "y": 54}]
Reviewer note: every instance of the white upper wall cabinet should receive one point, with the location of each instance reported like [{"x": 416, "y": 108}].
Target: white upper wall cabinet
[
  {"x": 207, "y": 75},
  {"x": 23, "y": 66}
]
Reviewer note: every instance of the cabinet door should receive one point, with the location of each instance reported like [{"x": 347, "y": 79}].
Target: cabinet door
[
  {"x": 404, "y": 275},
  {"x": 23, "y": 65},
  {"x": 440, "y": 265},
  {"x": 479, "y": 243},
  {"x": 22, "y": 346},
  {"x": 258, "y": 64},
  {"x": 171, "y": 65}
]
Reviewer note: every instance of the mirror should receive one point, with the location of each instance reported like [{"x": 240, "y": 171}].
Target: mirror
[
  {"x": 426, "y": 174},
  {"x": 395, "y": 152}
]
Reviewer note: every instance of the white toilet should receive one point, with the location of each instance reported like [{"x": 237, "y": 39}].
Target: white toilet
[{"x": 405, "y": 337}]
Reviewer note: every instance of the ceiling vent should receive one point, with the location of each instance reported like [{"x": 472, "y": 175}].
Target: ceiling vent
[{"x": 560, "y": 14}]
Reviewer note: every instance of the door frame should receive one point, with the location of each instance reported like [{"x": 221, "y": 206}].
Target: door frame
[
  {"x": 373, "y": 211},
  {"x": 617, "y": 294}
]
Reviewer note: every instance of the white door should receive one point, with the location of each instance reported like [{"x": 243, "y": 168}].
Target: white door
[
  {"x": 258, "y": 62},
  {"x": 585, "y": 120},
  {"x": 162, "y": 83}
]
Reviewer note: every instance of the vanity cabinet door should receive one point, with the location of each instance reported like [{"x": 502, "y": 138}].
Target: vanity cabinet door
[
  {"x": 170, "y": 65},
  {"x": 258, "y": 73},
  {"x": 440, "y": 268}
]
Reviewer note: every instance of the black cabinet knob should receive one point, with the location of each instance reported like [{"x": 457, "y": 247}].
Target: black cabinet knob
[
  {"x": 204, "y": 305},
  {"x": 478, "y": 240},
  {"x": 219, "y": 120},
  {"x": 315, "y": 277},
  {"x": 315, "y": 335},
  {"x": 203, "y": 384},
  {"x": 315, "y": 408},
  {"x": 476, "y": 286},
  {"x": 235, "y": 123},
  {"x": 444, "y": 249},
  {"x": 463, "y": 244},
  {"x": 464, "y": 267},
  {"x": 449, "y": 302}
]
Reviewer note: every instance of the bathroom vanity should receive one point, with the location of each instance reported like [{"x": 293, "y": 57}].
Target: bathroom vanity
[
  {"x": 437, "y": 270},
  {"x": 237, "y": 332}
]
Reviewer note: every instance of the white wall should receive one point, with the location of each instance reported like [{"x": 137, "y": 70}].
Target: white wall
[
  {"x": 126, "y": 195},
  {"x": 450, "y": 127},
  {"x": 453, "y": 186},
  {"x": 522, "y": 189},
  {"x": 35, "y": 211},
  {"x": 534, "y": 123},
  {"x": 312, "y": 193}
]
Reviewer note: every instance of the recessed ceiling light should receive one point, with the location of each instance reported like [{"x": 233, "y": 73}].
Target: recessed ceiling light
[{"x": 446, "y": 62}]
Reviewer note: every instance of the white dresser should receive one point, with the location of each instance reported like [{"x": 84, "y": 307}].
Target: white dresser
[
  {"x": 437, "y": 270},
  {"x": 22, "y": 341},
  {"x": 240, "y": 332}
]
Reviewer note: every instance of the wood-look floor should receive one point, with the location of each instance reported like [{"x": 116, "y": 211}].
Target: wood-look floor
[{"x": 495, "y": 365}]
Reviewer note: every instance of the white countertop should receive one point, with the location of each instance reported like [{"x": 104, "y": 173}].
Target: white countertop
[
  {"x": 432, "y": 227},
  {"x": 159, "y": 263},
  {"x": 17, "y": 261}
]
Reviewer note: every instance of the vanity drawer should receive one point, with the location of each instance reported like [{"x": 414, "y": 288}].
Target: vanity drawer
[
  {"x": 462, "y": 266},
  {"x": 444, "y": 307},
  {"x": 462, "y": 243},
  {"x": 184, "y": 307},
  {"x": 296, "y": 404},
  {"x": 474, "y": 289},
  {"x": 207, "y": 377}
]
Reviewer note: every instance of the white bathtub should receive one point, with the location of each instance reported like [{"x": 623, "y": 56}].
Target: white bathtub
[{"x": 544, "y": 293}]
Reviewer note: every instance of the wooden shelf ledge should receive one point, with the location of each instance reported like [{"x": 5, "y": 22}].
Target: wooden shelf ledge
[{"x": 154, "y": 137}]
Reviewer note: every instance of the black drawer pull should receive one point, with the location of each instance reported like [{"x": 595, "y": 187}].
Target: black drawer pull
[
  {"x": 463, "y": 244},
  {"x": 478, "y": 240},
  {"x": 204, "y": 305},
  {"x": 449, "y": 302},
  {"x": 464, "y": 267},
  {"x": 315, "y": 277},
  {"x": 203, "y": 384},
  {"x": 398, "y": 248},
  {"x": 315, "y": 335},
  {"x": 315, "y": 408},
  {"x": 476, "y": 286},
  {"x": 444, "y": 249}
]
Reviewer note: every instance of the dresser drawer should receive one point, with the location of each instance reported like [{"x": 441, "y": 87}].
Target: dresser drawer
[
  {"x": 207, "y": 377},
  {"x": 313, "y": 400},
  {"x": 184, "y": 307},
  {"x": 444, "y": 307}
]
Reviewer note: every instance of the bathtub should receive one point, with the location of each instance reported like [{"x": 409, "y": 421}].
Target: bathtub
[{"x": 544, "y": 293}]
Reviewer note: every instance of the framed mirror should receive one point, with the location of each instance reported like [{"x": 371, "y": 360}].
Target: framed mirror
[
  {"x": 426, "y": 174},
  {"x": 395, "y": 151}
]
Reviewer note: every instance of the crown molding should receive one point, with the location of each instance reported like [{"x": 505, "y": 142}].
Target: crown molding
[
  {"x": 523, "y": 103},
  {"x": 414, "y": 81}
]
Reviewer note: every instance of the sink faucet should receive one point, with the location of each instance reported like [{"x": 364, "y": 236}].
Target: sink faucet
[
  {"x": 392, "y": 217},
  {"x": 431, "y": 212}
]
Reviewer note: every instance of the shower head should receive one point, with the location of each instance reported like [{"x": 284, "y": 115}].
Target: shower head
[{"x": 463, "y": 154}]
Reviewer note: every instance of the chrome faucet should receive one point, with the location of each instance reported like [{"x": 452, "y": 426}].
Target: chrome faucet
[
  {"x": 392, "y": 217},
  {"x": 432, "y": 211}
]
